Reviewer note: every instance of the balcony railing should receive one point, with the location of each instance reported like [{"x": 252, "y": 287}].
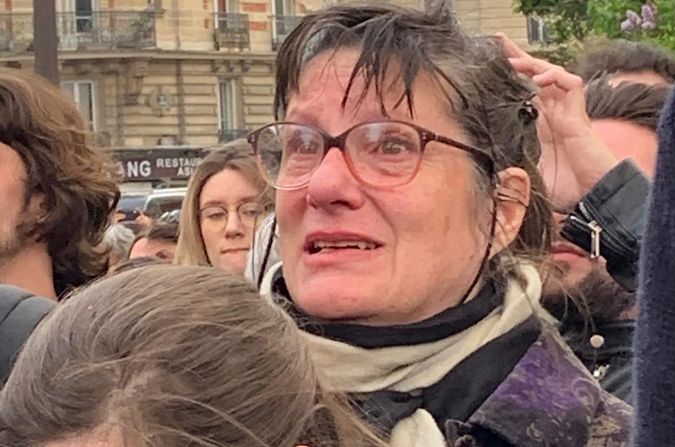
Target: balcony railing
[
  {"x": 281, "y": 28},
  {"x": 227, "y": 135},
  {"x": 232, "y": 31},
  {"x": 107, "y": 30},
  {"x": 16, "y": 32},
  {"x": 96, "y": 30}
]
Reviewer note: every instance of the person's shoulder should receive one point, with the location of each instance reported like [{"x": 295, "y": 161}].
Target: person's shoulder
[
  {"x": 20, "y": 313},
  {"x": 15, "y": 301}
]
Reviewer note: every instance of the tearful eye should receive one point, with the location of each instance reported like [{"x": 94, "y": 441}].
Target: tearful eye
[
  {"x": 303, "y": 144},
  {"x": 394, "y": 147},
  {"x": 309, "y": 148}
]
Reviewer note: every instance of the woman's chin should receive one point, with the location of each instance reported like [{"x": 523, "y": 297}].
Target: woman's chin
[
  {"x": 232, "y": 264},
  {"x": 336, "y": 303}
]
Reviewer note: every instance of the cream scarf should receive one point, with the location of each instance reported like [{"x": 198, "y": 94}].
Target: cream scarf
[{"x": 351, "y": 369}]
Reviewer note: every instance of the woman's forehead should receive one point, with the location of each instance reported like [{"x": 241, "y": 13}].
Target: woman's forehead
[{"x": 328, "y": 81}]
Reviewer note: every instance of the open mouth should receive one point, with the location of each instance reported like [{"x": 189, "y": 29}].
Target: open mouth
[{"x": 319, "y": 246}]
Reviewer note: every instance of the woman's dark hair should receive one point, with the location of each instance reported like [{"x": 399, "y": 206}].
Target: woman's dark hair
[
  {"x": 77, "y": 181},
  {"x": 174, "y": 357},
  {"x": 488, "y": 99}
]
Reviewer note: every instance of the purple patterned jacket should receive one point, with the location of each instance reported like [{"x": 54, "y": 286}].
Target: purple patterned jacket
[{"x": 548, "y": 400}]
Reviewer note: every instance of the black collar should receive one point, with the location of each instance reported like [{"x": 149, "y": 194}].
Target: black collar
[{"x": 445, "y": 324}]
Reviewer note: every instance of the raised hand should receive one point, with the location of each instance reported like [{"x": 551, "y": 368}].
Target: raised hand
[{"x": 573, "y": 157}]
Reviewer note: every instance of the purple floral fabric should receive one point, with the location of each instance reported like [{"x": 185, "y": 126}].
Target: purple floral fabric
[{"x": 549, "y": 399}]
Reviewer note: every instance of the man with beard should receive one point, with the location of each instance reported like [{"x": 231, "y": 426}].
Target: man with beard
[
  {"x": 57, "y": 195},
  {"x": 597, "y": 313},
  {"x": 57, "y": 192}
]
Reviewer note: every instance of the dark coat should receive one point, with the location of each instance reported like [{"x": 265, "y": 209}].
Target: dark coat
[
  {"x": 20, "y": 312},
  {"x": 655, "y": 332},
  {"x": 612, "y": 362}
]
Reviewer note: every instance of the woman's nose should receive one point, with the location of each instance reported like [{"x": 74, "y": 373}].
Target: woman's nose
[{"x": 334, "y": 184}]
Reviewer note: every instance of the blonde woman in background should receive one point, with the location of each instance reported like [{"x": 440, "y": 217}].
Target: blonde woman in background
[{"x": 225, "y": 201}]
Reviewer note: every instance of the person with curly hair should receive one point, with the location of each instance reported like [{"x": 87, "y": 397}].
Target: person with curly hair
[{"x": 57, "y": 191}]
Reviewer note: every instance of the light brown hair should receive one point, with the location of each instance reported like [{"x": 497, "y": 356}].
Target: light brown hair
[
  {"x": 78, "y": 182},
  {"x": 172, "y": 356},
  {"x": 237, "y": 156}
]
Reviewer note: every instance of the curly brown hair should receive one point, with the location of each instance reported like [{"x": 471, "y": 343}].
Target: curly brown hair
[{"x": 78, "y": 183}]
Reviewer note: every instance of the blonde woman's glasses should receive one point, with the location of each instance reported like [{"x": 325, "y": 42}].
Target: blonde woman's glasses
[{"x": 216, "y": 217}]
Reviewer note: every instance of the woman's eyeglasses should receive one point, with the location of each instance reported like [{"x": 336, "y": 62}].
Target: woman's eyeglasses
[
  {"x": 381, "y": 154},
  {"x": 216, "y": 217}
]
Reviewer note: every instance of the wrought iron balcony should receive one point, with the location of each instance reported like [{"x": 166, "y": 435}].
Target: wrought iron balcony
[
  {"x": 227, "y": 135},
  {"x": 96, "y": 30},
  {"x": 281, "y": 28},
  {"x": 16, "y": 32},
  {"x": 232, "y": 31},
  {"x": 107, "y": 30}
]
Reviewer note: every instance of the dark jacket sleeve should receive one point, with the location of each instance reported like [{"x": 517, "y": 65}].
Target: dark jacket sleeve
[
  {"x": 20, "y": 312},
  {"x": 654, "y": 384},
  {"x": 610, "y": 221}
]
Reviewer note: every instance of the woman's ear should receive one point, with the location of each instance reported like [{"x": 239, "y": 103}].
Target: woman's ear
[{"x": 512, "y": 197}]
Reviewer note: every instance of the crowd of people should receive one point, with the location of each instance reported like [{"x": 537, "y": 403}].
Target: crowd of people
[{"x": 442, "y": 241}]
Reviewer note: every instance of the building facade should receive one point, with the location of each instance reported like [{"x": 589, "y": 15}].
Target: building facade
[{"x": 182, "y": 75}]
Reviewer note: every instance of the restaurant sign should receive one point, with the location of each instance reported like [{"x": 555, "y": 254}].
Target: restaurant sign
[{"x": 157, "y": 164}]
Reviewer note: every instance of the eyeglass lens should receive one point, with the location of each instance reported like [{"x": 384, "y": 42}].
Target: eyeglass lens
[
  {"x": 382, "y": 154},
  {"x": 217, "y": 217}
]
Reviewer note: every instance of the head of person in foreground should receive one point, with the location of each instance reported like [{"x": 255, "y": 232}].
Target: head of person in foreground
[{"x": 170, "y": 356}]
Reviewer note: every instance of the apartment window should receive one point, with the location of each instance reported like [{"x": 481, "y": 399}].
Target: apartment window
[
  {"x": 228, "y": 17},
  {"x": 82, "y": 93},
  {"x": 282, "y": 7},
  {"x": 537, "y": 30},
  {"x": 83, "y": 16},
  {"x": 227, "y": 6},
  {"x": 283, "y": 21},
  {"x": 228, "y": 110}
]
